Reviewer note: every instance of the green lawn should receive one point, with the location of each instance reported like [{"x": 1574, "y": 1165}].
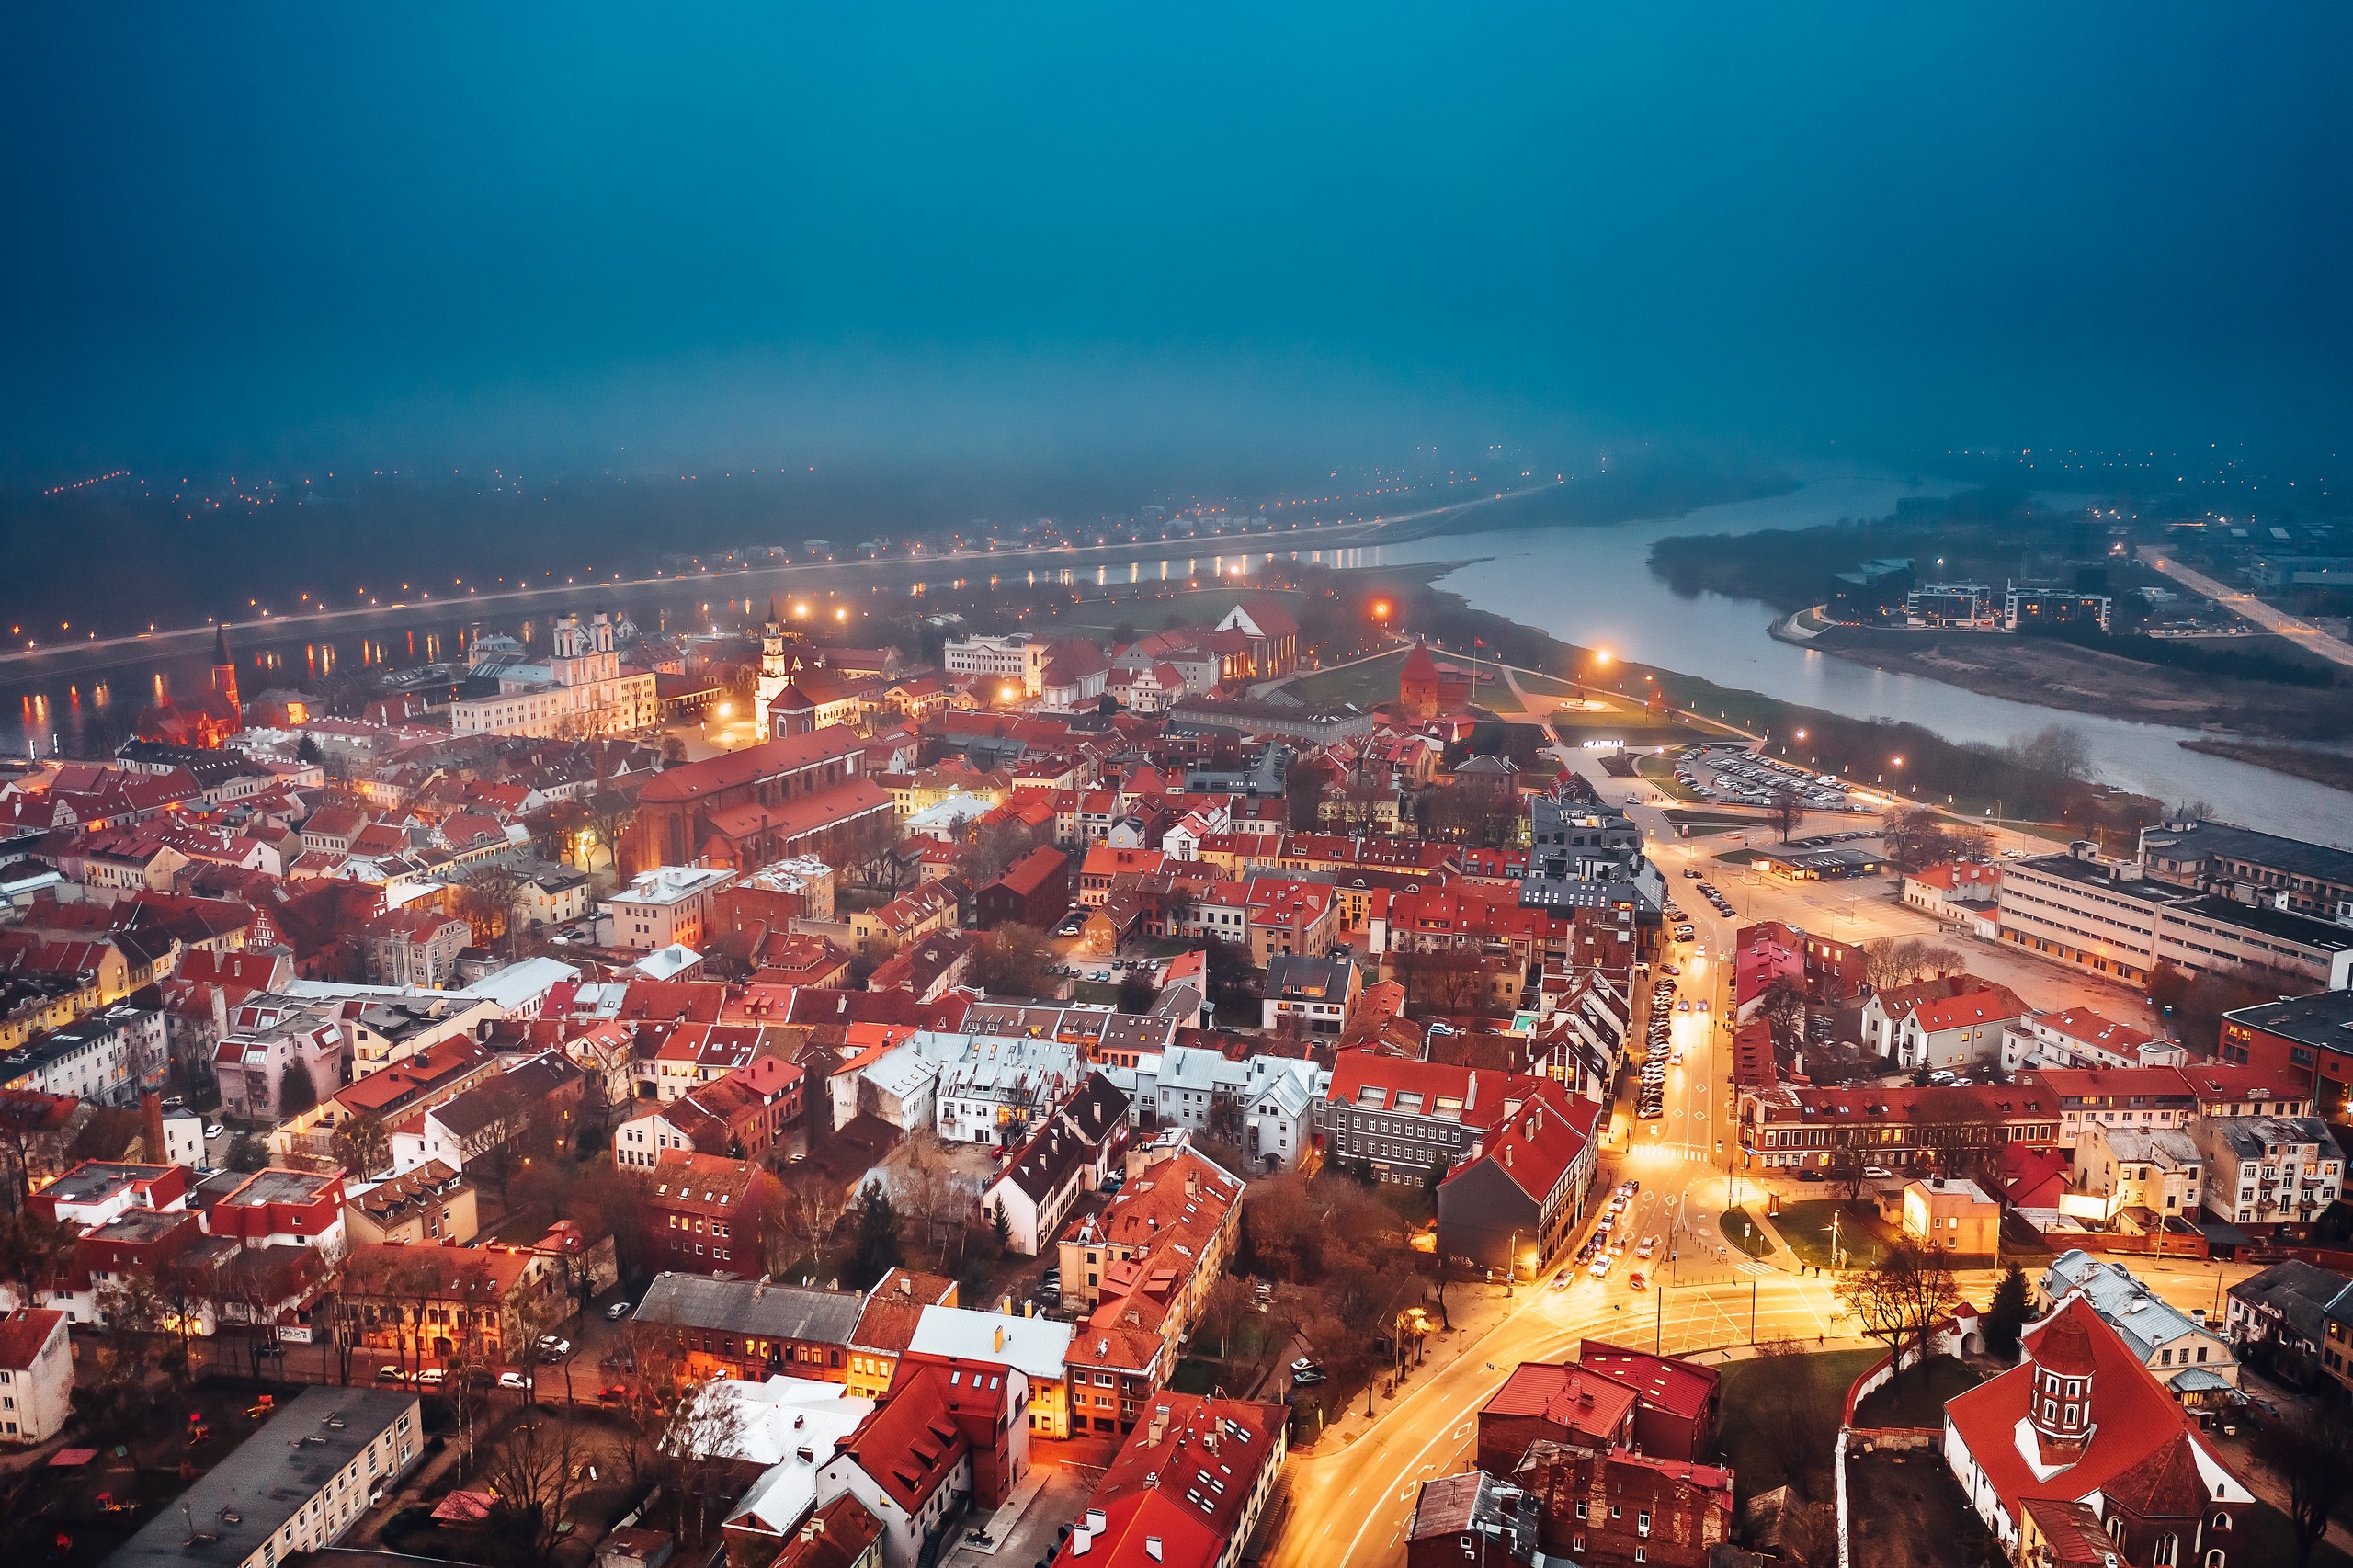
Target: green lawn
[
  {"x": 1805, "y": 1225},
  {"x": 2266, "y": 1536},
  {"x": 1193, "y": 1376},
  {"x": 1704, "y": 824},
  {"x": 1374, "y": 680},
  {"x": 1916, "y": 1397},
  {"x": 1756, "y": 1463},
  {"x": 1740, "y": 1230}
]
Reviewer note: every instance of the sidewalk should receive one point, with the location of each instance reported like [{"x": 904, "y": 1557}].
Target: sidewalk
[{"x": 1475, "y": 1310}]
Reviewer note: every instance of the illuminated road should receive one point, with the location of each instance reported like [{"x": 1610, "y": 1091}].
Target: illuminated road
[
  {"x": 1351, "y": 1507},
  {"x": 2302, "y": 632}
]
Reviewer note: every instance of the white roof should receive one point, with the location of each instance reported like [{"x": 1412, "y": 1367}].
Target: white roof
[
  {"x": 667, "y": 963},
  {"x": 1035, "y": 1347},
  {"x": 521, "y": 985},
  {"x": 671, "y": 884},
  {"x": 790, "y": 1425},
  {"x": 902, "y": 1071}
]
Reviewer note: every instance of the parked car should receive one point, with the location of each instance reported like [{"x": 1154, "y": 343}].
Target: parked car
[
  {"x": 390, "y": 1375},
  {"x": 512, "y": 1380},
  {"x": 214, "y": 1129},
  {"x": 1810, "y": 1174},
  {"x": 616, "y": 1311},
  {"x": 432, "y": 1376},
  {"x": 1303, "y": 1365},
  {"x": 552, "y": 1349}
]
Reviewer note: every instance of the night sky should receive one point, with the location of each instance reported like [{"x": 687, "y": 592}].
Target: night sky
[{"x": 596, "y": 237}]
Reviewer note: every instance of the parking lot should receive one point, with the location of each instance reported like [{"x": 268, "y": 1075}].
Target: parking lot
[{"x": 1732, "y": 775}]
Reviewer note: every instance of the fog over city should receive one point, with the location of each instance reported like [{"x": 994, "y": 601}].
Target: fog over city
[{"x": 1233, "y": 243}]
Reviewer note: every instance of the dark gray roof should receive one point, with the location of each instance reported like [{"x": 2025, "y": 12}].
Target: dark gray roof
[
  {"x": 747, "y": 1306},
  {"x": 269, "y": 1478},
  {"x": 2300, "y": 1292},
  {"x": 1098, "y": 1108},
  {"x": 1046, "y": 1161},
  {"x": 2324, "y": 1019},
  {"x": 506, "y": 1093},
  {"x": 1294, "y": 976},
  {"x": 2208, "y": 840}
]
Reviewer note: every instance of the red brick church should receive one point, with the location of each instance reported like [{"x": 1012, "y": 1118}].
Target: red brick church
[{"x": 210, "y": 718}]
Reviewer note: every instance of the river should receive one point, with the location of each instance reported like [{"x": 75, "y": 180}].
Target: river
[
  {"x": 1594, "y": 587},
  {"x": 1591, "y": 585}
]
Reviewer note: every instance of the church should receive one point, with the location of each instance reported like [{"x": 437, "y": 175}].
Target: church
[
  {"x": 210, "y": 718},
  {"x": 582, "y": 689},
  {"x": 2078, "y": 1455}
]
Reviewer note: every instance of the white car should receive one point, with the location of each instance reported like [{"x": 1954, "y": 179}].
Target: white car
[
  {"x": 432, "y": 1376},
  {"x": 512, "y": 1380},
  {"x": 214, "y": 1129}
]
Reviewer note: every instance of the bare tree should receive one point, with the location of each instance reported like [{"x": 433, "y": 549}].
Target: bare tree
[
  {"x": 1845, "y": 1173},
  {"x": 486, "y": 899},
  {"x": 1795, "y": 1410},
  {"x": 1891, "y": 962},
  {"x": 534, "y": 1474},
  {"x": 1227, "y": 1303},
  {"x": 1785, "y": 808},
  {"x": 2309, "y": 1451},
  {"x": 363, "y": 1144},
  {"x": 2056, "y": 748},
  {"x": 1901, "y": 1297},
  {"x": 1783, "y": 1006}
]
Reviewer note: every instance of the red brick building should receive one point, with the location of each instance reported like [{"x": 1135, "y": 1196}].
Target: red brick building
[
  {"x": 1034, "y": 891},
  {"x": 1615, "y": 1509},
  {"x": 800, "y": 795},
  {"x": 1679, "y": 1404},
  {"x": 703, "y": 1214},
  {"x": 1540, "y": 1403}
]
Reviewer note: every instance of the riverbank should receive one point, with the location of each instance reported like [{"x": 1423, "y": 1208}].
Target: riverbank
[
  {"x": 1908, "y": 760},
  {"x": 2050, "y": 673},
  {"x": 2332, "y": 769}
]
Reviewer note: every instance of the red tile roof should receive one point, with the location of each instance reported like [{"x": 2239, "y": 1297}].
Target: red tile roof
[
  {"x": 2136, "y": 1427},
  {"x": 1574, "y": 1398},
  {"x": 911, "y": 1444},
  {"x": 1677, "y": 1387},
  {"x": 1540, "y": 1141},
  {"x": 23, "y": 1332},
  {"x": 698, "y": 779}
]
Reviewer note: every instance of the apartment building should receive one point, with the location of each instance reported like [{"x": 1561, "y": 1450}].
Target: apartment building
[
  {"x": 2111, "y": 919},
  {"x": 2270, "y": 1173},
  {"x": 1015, "y": 660}
]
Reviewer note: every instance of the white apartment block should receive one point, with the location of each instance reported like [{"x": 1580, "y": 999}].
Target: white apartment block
[
  {"x": 2107, "y": 917},
  {"x": 1014, "y": 658},
  {"x": 2269, "y": 1170},
  {"x": 666, "y": 904},
  {"x": 2161, "y": 1170}
]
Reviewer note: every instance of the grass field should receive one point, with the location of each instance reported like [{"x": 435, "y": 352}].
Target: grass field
[
  {"x": 1756, "y": 1463},
  {"x": 1740, "y": 1230},
  {"x": 1374, "y": 680},
  {"x": 1805, "y": 1225},
  {"x": 1660, "y": 770},
  {"x": 1916, "y": 1397}
]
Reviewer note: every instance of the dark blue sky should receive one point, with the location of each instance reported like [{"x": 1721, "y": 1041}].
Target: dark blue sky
[{"x": 301, "y": 233}]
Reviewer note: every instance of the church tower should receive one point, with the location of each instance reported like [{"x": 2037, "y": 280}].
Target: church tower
[
  {"x": 224, "y": 669},
  {"x": 2062, "y": 1411},
  {"x": 774, "y": 676}
]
